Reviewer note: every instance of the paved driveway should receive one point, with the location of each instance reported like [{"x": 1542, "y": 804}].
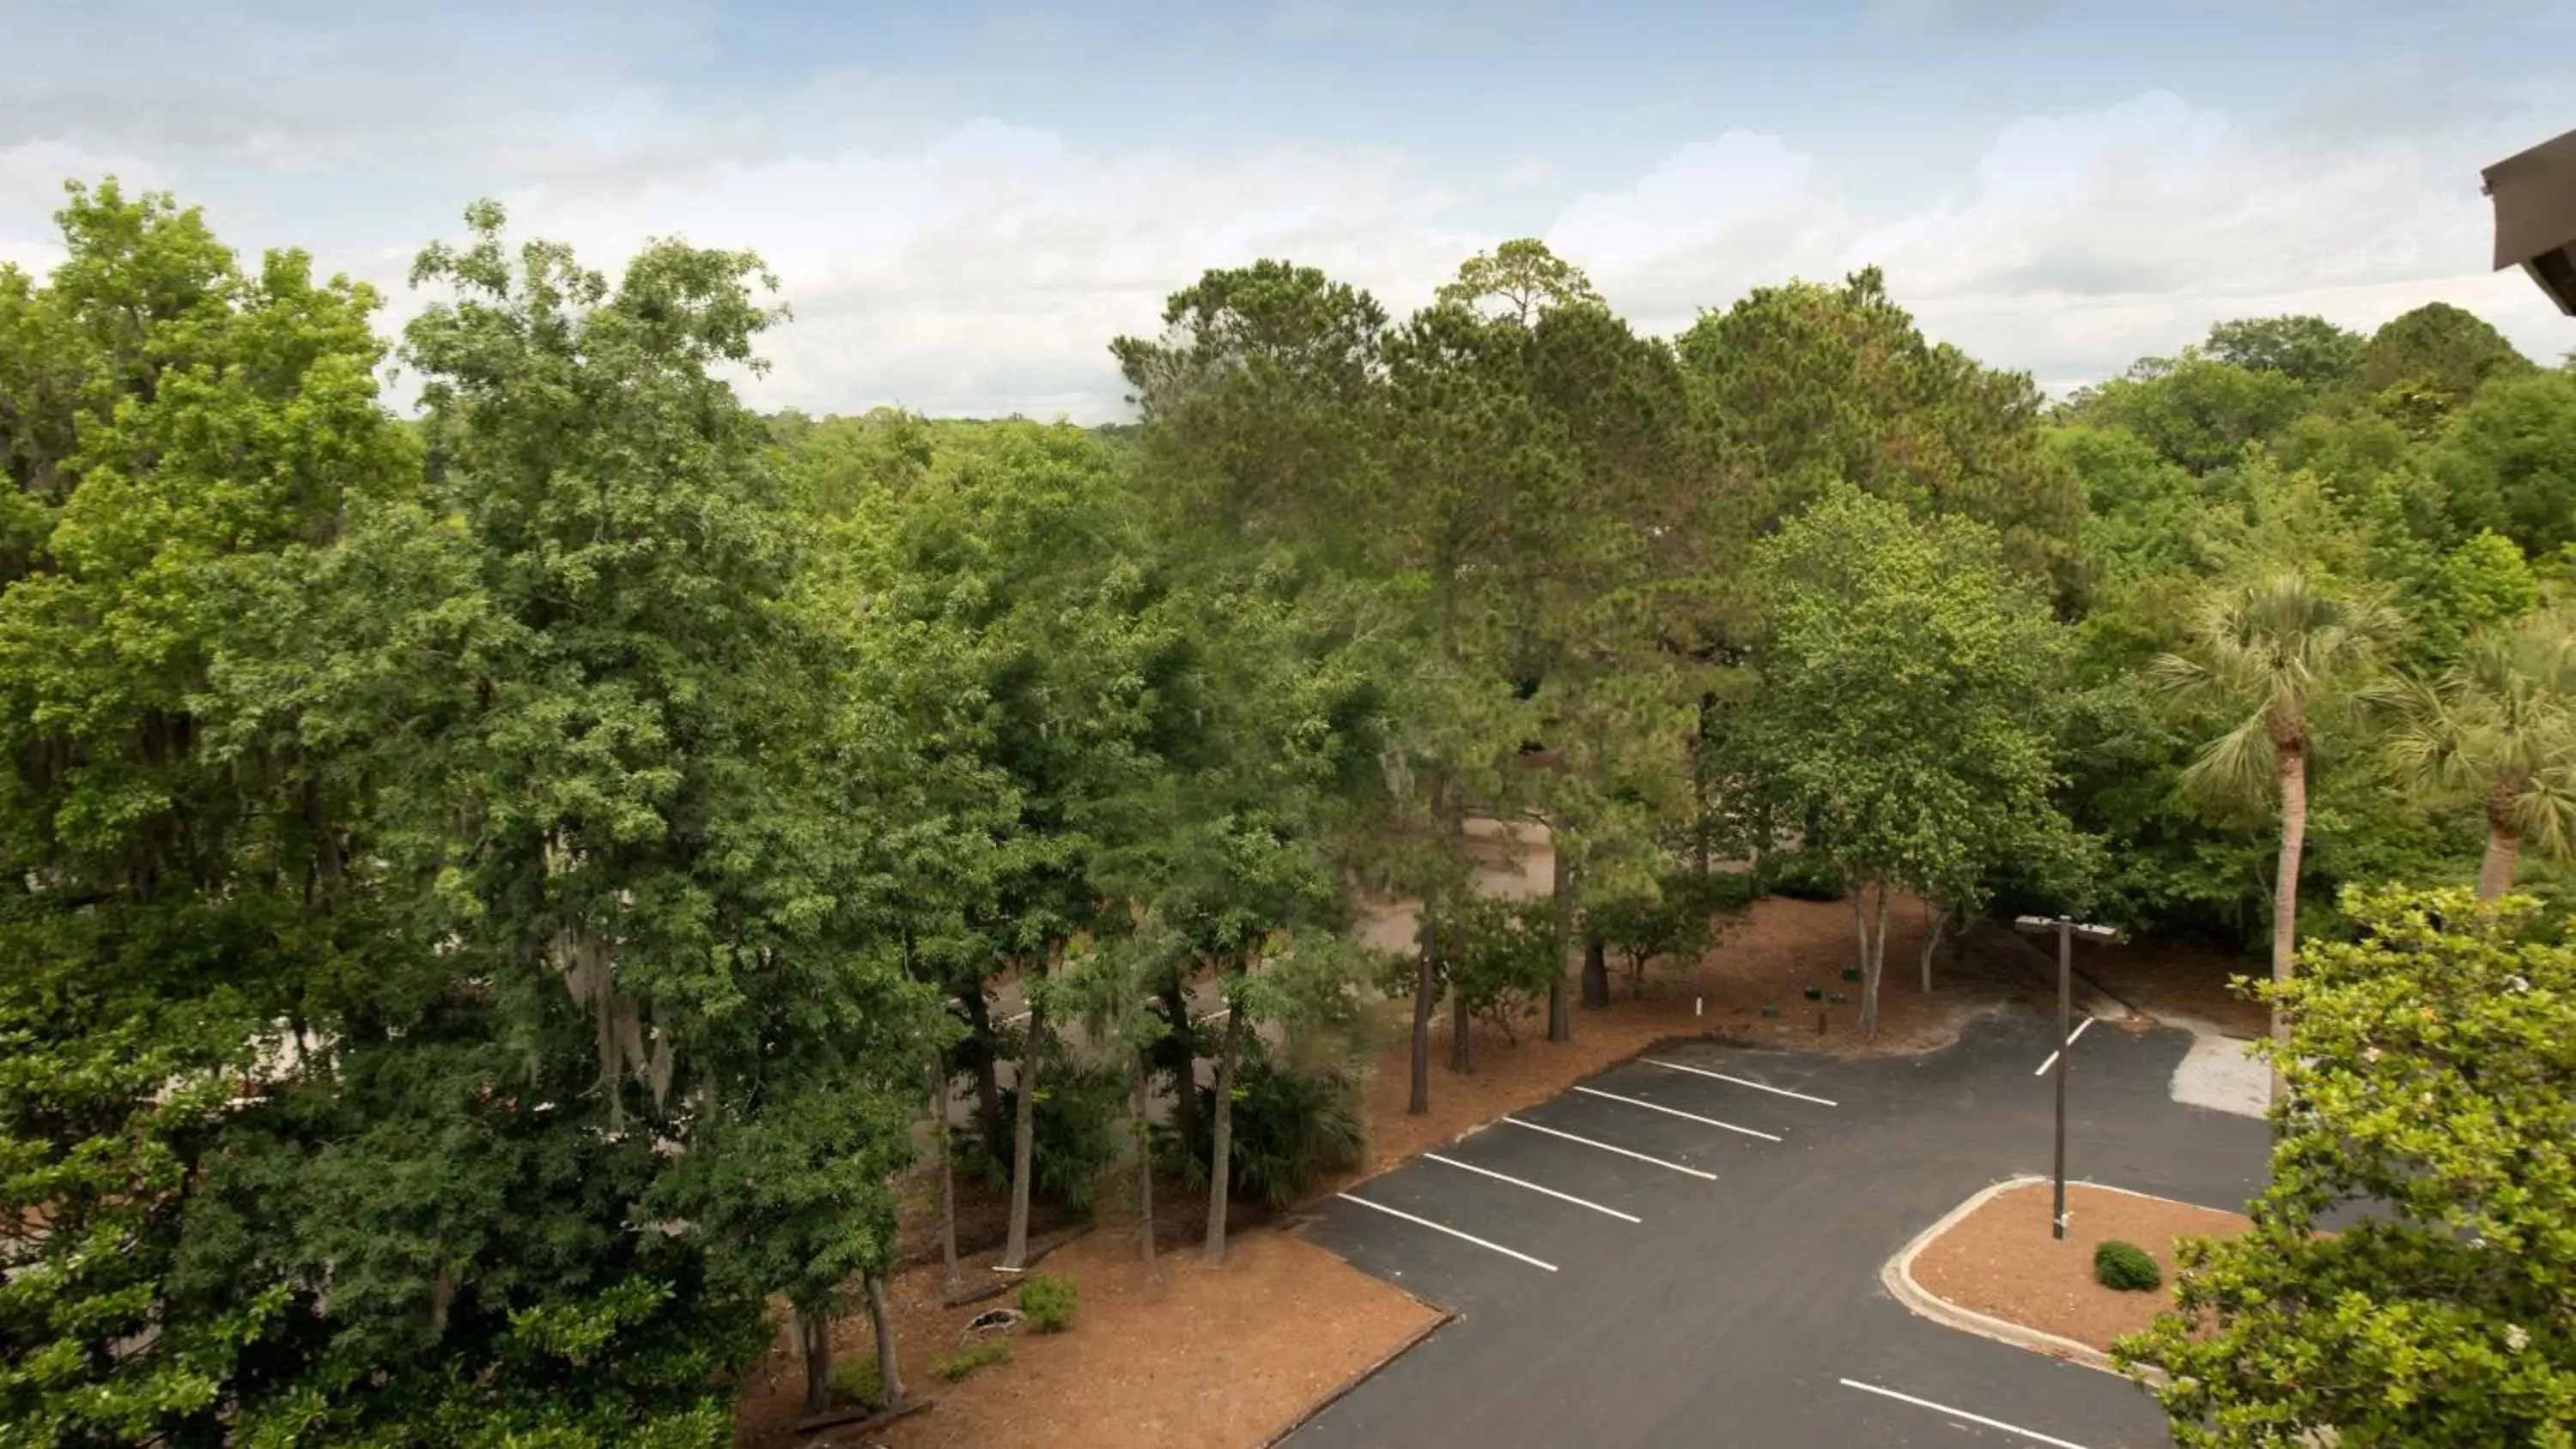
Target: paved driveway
[{"x": 1685, "y": 1250}]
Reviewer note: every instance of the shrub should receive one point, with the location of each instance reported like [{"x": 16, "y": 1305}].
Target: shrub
[
  {"x": 1807, "y": 876},
  {"x": 2125, "y": 1266},
  {"x": 974, "y": 1356},
  {"x": 857, "y": 1382},
  {"x": 1677, "y": 922},
  {"x": 1501, "y": 955},
  {"x": 1073, "y": 1132},
  {"x": 1048, "y": 1301},
  {"x": 1290, "y": 1128}
]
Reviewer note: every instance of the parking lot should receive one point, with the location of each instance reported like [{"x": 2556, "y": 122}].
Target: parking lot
[{"x": 1685, "y": 1249}]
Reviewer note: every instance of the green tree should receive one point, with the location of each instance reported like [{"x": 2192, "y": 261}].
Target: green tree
[
  {"x": 2508, "y": 461},
  {"x": 2498, "y": 729},
  {"x": 1483, "y": 497},
  {"x": 1908, "y": 689},
  {"x": 2440, "y": 349},
  {"x": 670, "y": 876},
  {"x": 211, "y": 539},
  {"x": 2274, "y": 653},
  {"x": 2431, "y": 1074},
  {"x": 1254, "y": 399},
  {"x": 2308, "y": 348},
  {"x": 2197, "y": 412},
  {"x": 2480, "y": 584},
  {"x": 1809, "y": 385},
  {"x": 1009, "y": 578},
  {"x": 1523, "y": 278},
  {"x": 1590, "y": 627}
]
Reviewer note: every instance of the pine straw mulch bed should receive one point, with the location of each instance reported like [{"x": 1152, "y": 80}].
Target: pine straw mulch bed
[
  {"x": 2000, "y": 1260},
  {"x": 1187, "y": 1355}
]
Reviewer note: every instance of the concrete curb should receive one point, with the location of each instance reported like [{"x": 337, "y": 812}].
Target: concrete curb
[{"x": 1898, "y": 1278}]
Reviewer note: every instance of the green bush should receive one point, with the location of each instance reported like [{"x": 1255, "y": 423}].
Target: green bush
[
  {"x": 1289, "y": 1129},
  {"x": 1048, "y": 1301},
  {"x": 1807, "y": 876},
  {"x": 1501, "y": 955},
  {"x": 2125, "y": 1266},
  {"x": 958, "y": 1365},
  {"x": 1678, "y": 922},
  {"x": 1073, "y": 1131},
  {"x": 857, "y": 1382}
]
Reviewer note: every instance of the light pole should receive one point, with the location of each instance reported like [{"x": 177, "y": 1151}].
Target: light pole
[{"x": 2066, "y": 929}]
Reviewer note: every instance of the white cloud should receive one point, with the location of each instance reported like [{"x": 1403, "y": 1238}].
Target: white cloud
[
  {"x": 983, "y": 268},
  {"x": 987, "y": 271},
  {"x": 2085, "y": 240},
  {"x": 1711, "y": 220}
]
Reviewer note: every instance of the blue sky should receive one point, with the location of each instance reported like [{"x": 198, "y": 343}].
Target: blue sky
[{"x": 965, "y": 202}]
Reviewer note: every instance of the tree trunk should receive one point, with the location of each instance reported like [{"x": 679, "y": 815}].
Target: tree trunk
[
  {"x": 1145, "y": 1163},
  {"x": 1180, "y": 1058},
  {"x": 889, "y": 1370},
  {"x": 1560, "y": 1013},
  {"x": 814, "y": 1337},
  {"x": 988, "y": 1086},
  {"x": 2504, "y": 841},
  {"x": 1932, "y": 941},
  {"x": 952, "y": 1279},
  {"x": 1015, "y": 1252},
  {"x": 1221, "y": 1140},
  {"x": 1423, "y": 981},
  {"x": 2285, "y": 888},
  {"x": 1873, "y": 955},
  {"x": 1461, "y": 1056},
  {"x": 1596, "y": 971},
  {"x": 1699, "y": 796},
  {"x": 1860, "y": 920}
]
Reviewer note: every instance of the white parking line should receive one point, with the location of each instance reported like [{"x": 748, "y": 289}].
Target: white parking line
[
  {"x": 1453, "y": 1232},
  {"x": 1739, "y": 1081},
  {"x": 1676, "y": 1112},
  {"x": 2032, "y": 1435},
  {"x": 1606, "y": 1147},
  {"x": 1534, "y": 1187},
  {"x": 1015, "y": 1020},
  {"x": 2070, "y": 1041}
]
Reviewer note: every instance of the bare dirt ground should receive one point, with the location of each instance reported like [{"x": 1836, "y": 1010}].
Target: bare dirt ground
[
  {"x": 2001, "y": 1261},
  {"x": 2181, "y": 982}
]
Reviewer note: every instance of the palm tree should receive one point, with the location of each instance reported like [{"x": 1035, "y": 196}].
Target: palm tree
[
  {"x": 2499, "y": 728},
  {"x": 2273, "y": 651}
]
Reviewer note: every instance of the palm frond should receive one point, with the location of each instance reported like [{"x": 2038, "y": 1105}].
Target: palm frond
[{"x": 2240, "y": 767}]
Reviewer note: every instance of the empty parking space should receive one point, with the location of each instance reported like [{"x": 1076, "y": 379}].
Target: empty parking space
[
  {"x": 1733, "y": 1079},
  {"x": 1527, "y": 1185},
  {"x": 1645, "y": 1105},
  {"x": 1447, "y": 1231},
  {"x": 1599, "y": 1170},
  {"x": 1669, "y": 1164}
]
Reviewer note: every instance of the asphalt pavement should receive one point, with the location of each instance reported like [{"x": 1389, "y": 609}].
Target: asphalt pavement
[{"x": 1685, "y": 1250}]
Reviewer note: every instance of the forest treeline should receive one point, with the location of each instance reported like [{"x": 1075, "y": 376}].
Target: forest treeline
[{"x": 493, "y": 892}]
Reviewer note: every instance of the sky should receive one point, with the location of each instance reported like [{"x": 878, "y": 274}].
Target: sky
[{"x": 965, "y": 202}]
